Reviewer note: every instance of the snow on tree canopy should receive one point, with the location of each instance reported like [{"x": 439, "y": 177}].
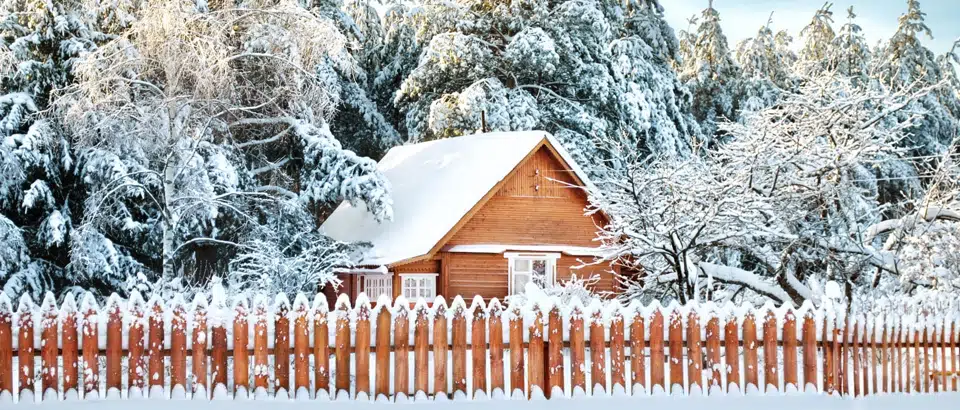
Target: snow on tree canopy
[{"x": 434, "y": 184}]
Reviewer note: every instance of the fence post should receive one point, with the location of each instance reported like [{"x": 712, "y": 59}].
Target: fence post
[
  {"x": 874, "y": 356},
  {"x": 750, "y": 352},
  {"x": 261, "y": 342},
  {"x": 136, "y": 367},
  {"x": 421, "y": 339},
  {"x": 440, "y": 347},
  {"x": 478, "y": 348},
  {"x": 157, "y": 373},
  {"x": 459, "y": 333},
  {"x": 517, "y": 365},
  {"x": 771, "y": 376},
  {"x": 281, "y": 347},
  {"x": 828, "y": 343},
  {"x": 694, "y": 352},
  {"x": 535, "y": 367},
  {"x": 178, "y": 345},
  {"x": 218, "y": 354},
  {"x": 810, "y": 352},
  {"x": 554, "y": 351},
  {"x": 200, "y": 361},
  {"x": 241, "y": 352},
  {"x": 91, "y": 348},
  {"x": 401, "y": 337},
  {"x": 362, "y": 347},
  {"x": 713, "y": 351}
]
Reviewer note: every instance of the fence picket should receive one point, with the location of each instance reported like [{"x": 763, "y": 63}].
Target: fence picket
[
  {"x": 261, "y": 341},
  {"x": 874, "y": 359},
  {"x": 657, "y": 358},
  {"x": 554, "y": 351},
  {"x": 241, "y": 352},
  {"x": 382, "y": 375},
  {"x": 918, "y": 358},
  {"x": 361, "y": 350},
  {"x": 178, "y": 348},
  {"x": 578, "y": 358},
  {"x": 342, "y": 348},
  {"x": 884, "y": 357},
  {"x": 617, "y": 371},
  {"x": 321, "y": 348},
  {"x": 953, "y": 354},
  {"x": 301, "y": 348},
  {"x": 713, "y": 350},
  {"x": 751, "y": 376},
  {"x": 459, "y": 356},
  {"x": 638, "y": 373},
  {"x": 281, "y": 347},
  {"x": 114, "y": 344},
  {"x": 218, "y": 354},
  {"x": 420, "y": 352},
  {"x": 91, "y": 348},
  {"x": 598, "y": 357},
  {"x": 496, "y": 347},
  {"x": 925, "y": 376},
  {"x": 25, "y": 343},
  {"x": 770, "y": 375},
  {"x": 731, "y": 341},
  {"x": 440, "y": 348},
  {"x": 535, "y": 364},
  {"x": 135, "y": 340},
  {"x": 676, "y": 352},
  {"x": 200, "y": 361},
  {"x": 517, "y": 365},
  {"x": 401, "y": 341},
  {"x": 48, "y": 346},
  {"x": 6, "y": 346},
  {"x": 943, "y": 354},
  {"x": 809, "y": 351},
  {"x": 790, "y": 351}
]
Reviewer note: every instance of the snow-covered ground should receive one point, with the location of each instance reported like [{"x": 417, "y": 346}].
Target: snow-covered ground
[{"x": 943, "y": 401}]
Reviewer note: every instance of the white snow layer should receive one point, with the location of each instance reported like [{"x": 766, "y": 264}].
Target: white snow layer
[{"x": 434, "y": 184}]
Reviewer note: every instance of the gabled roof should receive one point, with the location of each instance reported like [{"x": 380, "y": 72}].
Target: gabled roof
[{"x": 435, "y": 185}]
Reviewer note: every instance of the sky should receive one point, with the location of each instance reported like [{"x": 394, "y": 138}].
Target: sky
[{"x": 742, "y": 18}]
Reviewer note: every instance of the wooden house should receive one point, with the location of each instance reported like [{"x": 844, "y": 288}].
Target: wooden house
[{"x": 475, "y": 215}]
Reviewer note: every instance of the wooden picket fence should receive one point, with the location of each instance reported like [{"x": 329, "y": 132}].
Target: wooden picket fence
[{"x": 394, "y": 348}]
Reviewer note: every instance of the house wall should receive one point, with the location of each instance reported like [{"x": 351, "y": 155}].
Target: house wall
[
  {"x": 486, "y": 274},
  {"x": 532, "y": 208}
]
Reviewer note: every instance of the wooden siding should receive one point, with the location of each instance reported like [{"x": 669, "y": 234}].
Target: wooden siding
[
  {"x": 426, "y": 266},
  {"x": 540, "y": 176},
  {"x": 486, "y": 274}
]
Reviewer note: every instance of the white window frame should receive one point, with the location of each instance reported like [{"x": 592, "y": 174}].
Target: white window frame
[
  {"x": 550, "y": 260},
  {"x": 431, "y": 285},
  {"x": 382, "y": 283}
]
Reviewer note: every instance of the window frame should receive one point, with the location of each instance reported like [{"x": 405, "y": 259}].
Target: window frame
[
  {"x": 418, "y": 276},
  {"x": 388, "y": 286},
  {"x": 550, "y": 262}
]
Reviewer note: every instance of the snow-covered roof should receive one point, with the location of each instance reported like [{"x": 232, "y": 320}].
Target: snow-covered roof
[
  {"x": 434, "y": 184},
  {"x": 502, "y": 248}
]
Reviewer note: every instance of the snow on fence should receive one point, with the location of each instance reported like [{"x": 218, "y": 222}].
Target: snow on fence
[{"x": 135, "y": 348}]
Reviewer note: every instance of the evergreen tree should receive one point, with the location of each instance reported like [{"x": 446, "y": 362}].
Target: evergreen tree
[
  {"x": 849, "y": 54},
  {"x": 710, "y": 73},
  {"x": 766, "y": 69},
  {"x": 818, "y": 37}
]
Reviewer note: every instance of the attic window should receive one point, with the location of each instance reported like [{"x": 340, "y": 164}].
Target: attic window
[{"x": 539, "y": 268}]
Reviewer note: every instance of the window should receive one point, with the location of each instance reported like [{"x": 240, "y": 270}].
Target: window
[
  {"x": 418, "y": 285},
  {"x": 539, "y": 268},
  {"x": 376, "y": 285}
]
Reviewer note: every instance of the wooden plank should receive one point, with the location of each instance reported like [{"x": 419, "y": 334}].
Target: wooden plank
[
  {"x": 828, "y": 343},
  {"x": 382, "y": 365},
  {"x": 321, "y": 348},
  {"x": 401, "y": 359},
  {"x": 478, "y": 349},
  {"x": 517, "y": 365},
  {"x": 218, "y": 357},
  {"x": 25, "y": 352},
  {"x": 884, "y": 358},
  {"x": 421, "y": 339},
  {"x": 362, "y": 350},
  {"x": 770, "y": 365},
  {"x": 440, "y": 350},
  {"x": 578, "y": 357},
  {"x": 676, "y": 352},
  {"x": 554, "y": 351},
  {"x": 713, "y": 351},
  {"x": 843, "y": 379},
  {"x": 942, "y": 327},
  {"x": 790, "y": 351},
  {"x": 918, "y": 356},
  {"x": 731, "y": 345},
  {"x": 261, "y": 341},
  {"x": 809, "y": 351},
  {"x": 241, "y": 353},
  {"x": 924, "y": 377},
  {"x": 598, "y": 357},
  {"x": 750, "y": 347},
  {"x": 617, "y": 370},
  {"x": 70, "y": 341},
  {"x": 91, "y": 351},
  {"x": 459, "y": 356},
  {"x": 657, "y": 359},
  {"x": 496, "y": 348},
  {"x": 342, "y": 350},
  {"x": 301, "y": 347},
  {"x": 899, "y": 356},
  {"x": 200, "y": 361},
  {"x": 874, "y": 359},
  {"x": 954, "y": 347},
  {"x": 6, "y": 347},
  {"x": 638, "y": 373},
  {"x": 135, "y": 340},
  {"x": 48, "y": 348},
  {"x": 536, "y": 366},
  {"x": 855, "y": 352},
  {"x": 694, "y": 353},
  {"x": 178, "y": 347}
]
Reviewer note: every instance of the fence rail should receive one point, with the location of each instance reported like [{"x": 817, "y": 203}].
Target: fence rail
[{"x": 134, "y": 348}]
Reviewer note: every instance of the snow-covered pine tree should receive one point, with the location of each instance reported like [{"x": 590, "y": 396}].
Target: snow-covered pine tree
[
  {"x": 709, "y": 72},
  {"x": 904, "y": 62},
  {"x": 583, "y": 70},
  {"x": 40, "y": 42},
  {"x": 818, "y": 37},
  {"x": 766, "y": 69},
  {"x": 187, "y": 123},
  {"x": 849, "y": 53}
]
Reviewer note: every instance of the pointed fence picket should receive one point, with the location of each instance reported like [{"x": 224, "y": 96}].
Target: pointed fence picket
[{"x": 392, "y": 349}]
